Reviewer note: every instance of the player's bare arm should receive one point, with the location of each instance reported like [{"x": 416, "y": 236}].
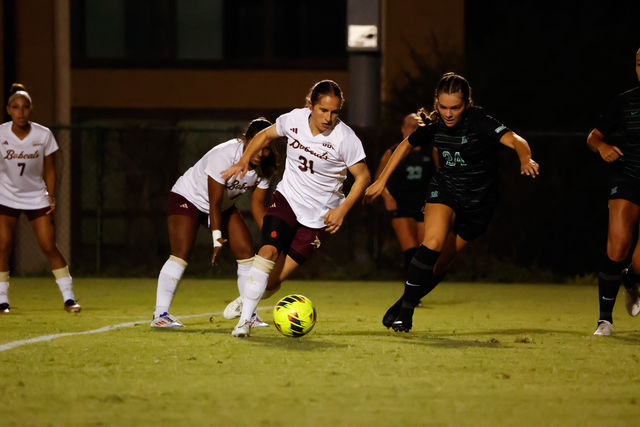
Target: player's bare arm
[
  {"x": 261, "y": 140},
  {"x": 597, "y": 144},
  {"x": 379, "y": 185},
  {"x": 50, "y": 180},
  {"x": 216, "y": 191},
  {"x": 528, "y": 166},
  {"x": 334, "y": 218},
  {"x": 390, "y": 203}
]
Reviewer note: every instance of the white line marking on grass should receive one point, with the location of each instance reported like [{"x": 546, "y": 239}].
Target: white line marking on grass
[{"x": 43, "y": 338}]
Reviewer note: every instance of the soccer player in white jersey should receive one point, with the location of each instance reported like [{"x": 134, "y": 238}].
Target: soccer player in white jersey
[
  {"x": 27, "y": 184},
  {"x": 308, "y": 203},
  {"x": 203, "y": 197}
]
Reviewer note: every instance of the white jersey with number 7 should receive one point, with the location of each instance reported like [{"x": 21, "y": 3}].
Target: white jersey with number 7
[
  {"x": 316, "y": 166},
  {"x": 21, "y": 183}
]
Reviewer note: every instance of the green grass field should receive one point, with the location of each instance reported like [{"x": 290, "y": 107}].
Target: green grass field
[{"x": 479, "y": 354}]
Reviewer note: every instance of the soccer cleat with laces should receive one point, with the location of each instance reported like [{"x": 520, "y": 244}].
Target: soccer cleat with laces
[
  {"x": 233, "y": 309},
  {"x": 631, "y": 295},
  {"x": 404, "y": 321},
  {"x": 72, "y": 306},
  {"x": 256, "y": 321},
  {"x": 242, "y": 329},
  {"x": 605, "y": 328},
  {"x": 165, "y": 320},
  {"x": 4, "y": 308}
]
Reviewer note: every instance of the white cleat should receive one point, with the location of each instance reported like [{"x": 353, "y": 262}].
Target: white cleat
[
  {"x": 233, "y": 309},
  {"x": 605, "y": 328},
  {"x": 632, "y": 300},
  {"x": 256, "y": 321},
  {"x": 165, "y": 320},
  {"x": 242, "y": 329},
  {"x": 72, "y": 306}
]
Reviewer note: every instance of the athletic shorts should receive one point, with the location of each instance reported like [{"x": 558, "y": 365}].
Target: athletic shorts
[
  {"x": 30, "y": 213},
  {"x": 403, "y": 212},
  {"x": 472, "y": 216},
  {"x": 627, "y": 190},
  {"x": 287, "y": 234},
  {"x": 179, "y": 205}
]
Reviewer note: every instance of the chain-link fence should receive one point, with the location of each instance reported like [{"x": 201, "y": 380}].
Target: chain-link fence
[{"x": 553, "y": 227}]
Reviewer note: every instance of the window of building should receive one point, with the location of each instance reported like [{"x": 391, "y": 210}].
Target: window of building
[{"x": 209, "y": 33}]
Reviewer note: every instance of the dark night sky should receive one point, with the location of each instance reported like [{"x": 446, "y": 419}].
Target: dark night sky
[{"x": 551, "y": 65}]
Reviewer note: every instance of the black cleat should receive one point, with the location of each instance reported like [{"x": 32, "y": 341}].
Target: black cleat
[
  {"x": 404, "y": 321},
  {"x": 4, "y": 308},
  {"x": 391, "y": 314}
]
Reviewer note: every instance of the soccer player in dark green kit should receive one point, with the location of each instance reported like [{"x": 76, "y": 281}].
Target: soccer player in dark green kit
[
  {"x": 463, "y": 190},
  {"x": 623, "y": 117}
]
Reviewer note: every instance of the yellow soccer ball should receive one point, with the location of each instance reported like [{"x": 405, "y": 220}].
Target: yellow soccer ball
[{"x": 294, "y": 315}]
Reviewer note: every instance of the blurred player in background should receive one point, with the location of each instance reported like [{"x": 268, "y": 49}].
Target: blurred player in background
[
  {"x": 406, "y": 191},
  {"x": 622, "y": 116},
  {"x": 463, "y": 190},
  {"x": 28, "y": 184},
  {"x": 308, "y": 203},
  {"x": 203, "y": 197}
]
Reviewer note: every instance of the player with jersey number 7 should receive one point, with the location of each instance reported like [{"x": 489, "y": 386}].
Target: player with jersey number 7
[
  {"x": 27, "y": 185},
  {"x": 308, "y": 203}
]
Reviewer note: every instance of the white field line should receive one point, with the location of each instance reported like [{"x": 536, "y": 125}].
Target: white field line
[{"x": 43, "y": 338}]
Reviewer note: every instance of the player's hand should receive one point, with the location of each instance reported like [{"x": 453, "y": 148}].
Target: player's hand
[
  {"x": 530, "y": 168},
  {"x": 217, "y": 249},
  {"x": 609, "y": 153},
  {"x": 373, "y": 191},
  {"x": 333, "y": 220},
  {"x": 52, "y": 205},
  {"x": 241, "y": 168}
]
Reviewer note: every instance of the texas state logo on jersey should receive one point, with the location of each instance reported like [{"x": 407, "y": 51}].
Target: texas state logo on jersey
[
  {"x": 193, "y": 184},
  {"x": 316, "y": 166},
  {"x": 21, "y": 167}
]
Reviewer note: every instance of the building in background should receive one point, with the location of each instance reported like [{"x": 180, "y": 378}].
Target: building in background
[{"x": 209, "y": 64}]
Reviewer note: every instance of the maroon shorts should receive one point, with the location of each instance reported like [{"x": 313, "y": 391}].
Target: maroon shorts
[
  {"x": 282, "y": 230},
  {"x": 178, "y": 205},
  {"x": 30, "y": 213}
]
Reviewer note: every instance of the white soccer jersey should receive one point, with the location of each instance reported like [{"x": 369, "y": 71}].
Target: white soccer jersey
[
  {"x": 316, "y": 166},
  {"x": 22, "y": 185},
  {"x": 193, "y": 184}
]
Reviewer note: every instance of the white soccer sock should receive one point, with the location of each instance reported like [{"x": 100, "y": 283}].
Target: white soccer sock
[
  {"x": 4, "y": 287},
  {"x": 65, "y": 283},
  {"x": 244, "y": 266},
  {"x": 168, "y": 281},
  {"x": 255, "y": 286}
]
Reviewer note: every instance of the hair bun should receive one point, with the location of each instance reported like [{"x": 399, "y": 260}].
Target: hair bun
[{"x": 16, "y": 87}]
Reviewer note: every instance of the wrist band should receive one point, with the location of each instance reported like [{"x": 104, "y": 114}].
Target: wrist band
[{"x": 216, "y": 234}]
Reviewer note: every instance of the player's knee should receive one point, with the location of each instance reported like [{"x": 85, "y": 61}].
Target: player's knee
[
  {"x": 434, "y": 243},
  {"x": 618, "y": 249},
  {"x": 243, "y": 252},
  {"x": 269, "y": 252}
]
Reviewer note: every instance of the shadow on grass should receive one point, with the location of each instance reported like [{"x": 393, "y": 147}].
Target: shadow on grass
[{"x": 306, "y": 343}]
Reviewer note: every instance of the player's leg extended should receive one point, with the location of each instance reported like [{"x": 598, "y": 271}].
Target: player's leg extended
[
  {"x": 285, "y": 265},
  {"x": 406, "y": 230},
  {"x": 182, "y": 234},
  {"x": 623, "y": 216},
  {"x": 45, "y": 234},
  {"x": 241, "y": 245},
  {"x": 630, "y": 279},
  {"x": 438, "y": 222},
  {"x": 7, "y": 231}
]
